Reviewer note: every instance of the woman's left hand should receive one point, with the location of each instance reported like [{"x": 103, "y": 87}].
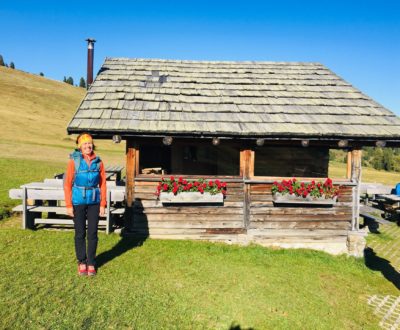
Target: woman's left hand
[{"x": 102, "y": 211}]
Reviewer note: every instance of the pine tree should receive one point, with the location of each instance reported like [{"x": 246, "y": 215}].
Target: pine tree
[
  {"x": 82, "y": 82},
  {"x": 65, "y": 79},
  {"x": 70, "y": 81},
  {"x": 12, "y": 65},
  {"x": 41, "y": 74},
  {"x": 1, "y": 61}
]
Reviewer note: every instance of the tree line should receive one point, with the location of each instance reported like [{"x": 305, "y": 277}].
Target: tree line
[
  {"x": 70, "y": 80},
  {"x": 387, "y": 159},
  {"x": 2, "y": 63}
]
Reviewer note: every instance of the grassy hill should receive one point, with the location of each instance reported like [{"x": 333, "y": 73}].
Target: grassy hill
[
  {"x": 35, "y": 112},
  {"x": 34, "y": 144}
]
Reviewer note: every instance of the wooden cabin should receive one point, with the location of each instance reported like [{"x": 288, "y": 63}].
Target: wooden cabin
[{"x": 248, "y": 124}]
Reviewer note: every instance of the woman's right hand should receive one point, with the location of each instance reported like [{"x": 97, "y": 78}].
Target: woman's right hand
[{"x": 70, "y": 211}]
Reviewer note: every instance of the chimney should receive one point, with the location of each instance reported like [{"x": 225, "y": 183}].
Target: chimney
[{"x": 90, "y": 55}]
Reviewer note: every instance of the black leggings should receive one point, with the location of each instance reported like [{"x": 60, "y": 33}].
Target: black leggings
[{"x": 81, "y": 213}]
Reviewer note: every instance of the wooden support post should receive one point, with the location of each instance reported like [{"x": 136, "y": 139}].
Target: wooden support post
[
  {"x": 131, "y": 165},
  {"x": 247, "y": 172},
  {"x": 247, "y": 163},
  {"x": 356, "y": 178},
  {"x": 348, "y": 171},
  {"x": 137, "y": 161}
]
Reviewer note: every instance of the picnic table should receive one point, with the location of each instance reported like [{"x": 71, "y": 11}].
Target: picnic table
[
  {"x": 370, "y": 191},
  {"x": 48, "y": 197},
  {"x": 114, "y": 172},
  {"x": 390, "y": 204}
]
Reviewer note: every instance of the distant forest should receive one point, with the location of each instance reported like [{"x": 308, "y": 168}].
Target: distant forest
[{"x": 387, "y": 159}]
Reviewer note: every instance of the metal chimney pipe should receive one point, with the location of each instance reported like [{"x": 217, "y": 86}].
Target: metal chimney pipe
[{"x": 90, "y": 56}]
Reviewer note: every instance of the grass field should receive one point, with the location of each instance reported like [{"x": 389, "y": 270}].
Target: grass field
[
  {"x": 338, "y": 170},
  {"x": 179, "y": 285}
]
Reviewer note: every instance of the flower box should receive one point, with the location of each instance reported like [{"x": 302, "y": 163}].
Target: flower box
[
  {"x": 299, "y": 200},
  {"x": 313, "y": 193},
  {"x": 190, "y": 197}
]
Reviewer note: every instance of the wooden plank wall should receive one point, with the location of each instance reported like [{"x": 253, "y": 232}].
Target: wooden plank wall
[
  {"x": 151, "y": 218},
  {"x": 268, "y": 219}
]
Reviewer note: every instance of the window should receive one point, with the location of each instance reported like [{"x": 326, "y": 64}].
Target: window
[
  {"x": 291, "y": 161},
  {"x": 190, "y": 159}
]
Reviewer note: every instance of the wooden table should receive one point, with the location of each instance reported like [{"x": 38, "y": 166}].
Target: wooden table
[
  {"x": 390, "y": 204},
  {"x": 48, "y": 197},
  {"x": 114, "y": 172}
]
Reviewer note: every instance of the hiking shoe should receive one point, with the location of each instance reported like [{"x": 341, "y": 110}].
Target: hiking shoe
[
  {"x": 91, "y": 271},
  {"x": 82, "y": 269}
]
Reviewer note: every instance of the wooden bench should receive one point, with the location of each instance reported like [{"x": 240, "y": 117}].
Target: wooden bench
[{"x": 48, "y": 197}]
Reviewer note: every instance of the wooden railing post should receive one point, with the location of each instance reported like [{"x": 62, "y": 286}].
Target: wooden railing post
[
  {"x": 356, "y": 178},
  {"x": 131, "y": 167}
]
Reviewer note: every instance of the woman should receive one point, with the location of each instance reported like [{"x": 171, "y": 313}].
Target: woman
[{"x": 85, "y": 199}]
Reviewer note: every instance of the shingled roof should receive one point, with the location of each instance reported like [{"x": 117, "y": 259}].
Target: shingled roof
[{"x": 244, "y": 99}]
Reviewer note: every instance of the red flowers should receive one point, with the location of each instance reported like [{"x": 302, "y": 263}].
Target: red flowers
[
  {"x": 314, "y": 189},
  {"x": 181, "y": 185}
]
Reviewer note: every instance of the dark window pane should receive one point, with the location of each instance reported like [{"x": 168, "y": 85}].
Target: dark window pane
[
  {"x": 290, "y": 161},
  {"x": 155, "y": 160},
  {"x": 191, "y": 159}
]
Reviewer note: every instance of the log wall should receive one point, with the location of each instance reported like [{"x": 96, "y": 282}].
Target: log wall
[
  {"x": 268, "y": 222},
  {"x": 222, "y": 222},
  {"x": 248, "y": 214}
]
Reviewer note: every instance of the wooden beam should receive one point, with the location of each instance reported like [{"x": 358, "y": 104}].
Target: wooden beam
[
  {"x": 356, "y": 165},
  {"x": 251, "y": 163},
  {"x": 137, "y": 169},
  {"x": 356, "y": 178},
  {"x": 247, "y": 159},
  {"x": 242, "y": 167},
  {"x": 130, "y": 171},
  {"x": 348, "y": 170},
  {"x": 132, "y": 164}
]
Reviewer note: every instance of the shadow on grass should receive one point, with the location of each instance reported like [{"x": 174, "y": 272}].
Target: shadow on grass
[
  {"x": 374, "y": 262},
  {"x": 235, "y": 326},
  {"x": 136, "y": 231},
  {"x": 124, "y": 244}
]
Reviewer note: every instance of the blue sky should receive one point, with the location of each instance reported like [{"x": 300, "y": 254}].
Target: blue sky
[{"x": 358, "y": 40}]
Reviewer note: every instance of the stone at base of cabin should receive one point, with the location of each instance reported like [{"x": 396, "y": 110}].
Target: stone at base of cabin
[{"x": 356, "y": 243}]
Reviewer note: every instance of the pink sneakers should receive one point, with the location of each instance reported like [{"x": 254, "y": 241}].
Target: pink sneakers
[
  {"x": 91, "y": 271},
  {"x": 82, "y": 269}
]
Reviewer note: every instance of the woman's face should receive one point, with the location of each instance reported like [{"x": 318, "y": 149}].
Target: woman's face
[{"x": 87, "y": 148}]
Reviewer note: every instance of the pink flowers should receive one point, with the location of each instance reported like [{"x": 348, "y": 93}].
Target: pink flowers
[{"x": 181, "y": 185}]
